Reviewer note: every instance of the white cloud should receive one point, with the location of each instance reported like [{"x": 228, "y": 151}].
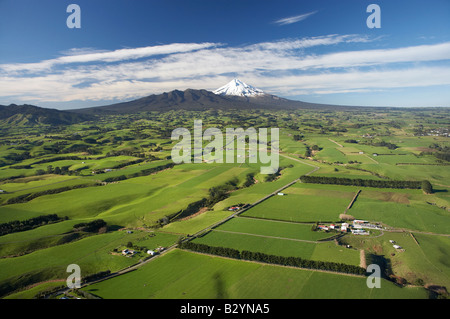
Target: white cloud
[
  {"x": 81, "y": 56},
  {"x": 282, "y": 67},
  {"x": 295, "y": 19}
]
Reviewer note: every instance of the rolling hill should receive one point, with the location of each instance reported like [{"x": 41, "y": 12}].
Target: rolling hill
[{"x": 33, "y": 115}]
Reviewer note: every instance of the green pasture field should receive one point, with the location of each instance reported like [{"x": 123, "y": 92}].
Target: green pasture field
[
  {"x": 30, "y": 293},
  {"x": 44, "y": 185},
  {"x": 181, "y": 274},
  {"x": 414, "y": 261},
  {"x": 137, "y": 200},
  {"x": 197, "y": 223},
  {"x": 348, "y": 171},
  {"x": 258, "y": 243},
  {"x": 278, "y": 238},
  {"x": 331, "y": 154},
  {"x": 435, "y": 174},
  {"x": 92, "y": 254},
  {"x": 145, "y": 201},
  {"x": 272, "y": 228},
  {"x": 300, "y": 208},
  {"x": 34, "y": 182},
  {"x": 414, "y": 216},
  {"x": 323, "y": 251},
  {"x": 38, "y": 238},
  {"x": 242, "y": 196}
]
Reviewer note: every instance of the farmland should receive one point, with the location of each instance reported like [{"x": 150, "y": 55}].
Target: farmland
[
  {"x": 119, "y": 170},
  {"x": 201, "y": 276}
]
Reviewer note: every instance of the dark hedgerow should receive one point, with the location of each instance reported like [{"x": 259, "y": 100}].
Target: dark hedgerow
[{"x": 273, "y": 259}]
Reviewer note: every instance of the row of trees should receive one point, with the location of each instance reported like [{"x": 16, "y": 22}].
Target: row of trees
[
  {"x": 30, "y": 196},
  {"x": 361, "y": 182},
  {"x": 273, "y": 259},
  {"x": 144, "y": 172},
  {"x": 23, "y": 225}
]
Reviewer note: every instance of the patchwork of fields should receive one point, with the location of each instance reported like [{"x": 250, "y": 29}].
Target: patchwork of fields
[
  {"x": 117, "y": 174},
  {"x": 182, "y": 274}
]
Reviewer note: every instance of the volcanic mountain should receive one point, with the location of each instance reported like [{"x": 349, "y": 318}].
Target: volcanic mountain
[
  {"x": 239, "y": 88},
  {"x": 236, "y": 95}
]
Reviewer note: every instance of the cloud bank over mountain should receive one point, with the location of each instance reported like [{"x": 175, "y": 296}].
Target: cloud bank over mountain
[{"x": 323, "y": 65}]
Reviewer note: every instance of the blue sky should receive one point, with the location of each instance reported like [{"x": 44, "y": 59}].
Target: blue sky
[{"x": 315, "y": 51}]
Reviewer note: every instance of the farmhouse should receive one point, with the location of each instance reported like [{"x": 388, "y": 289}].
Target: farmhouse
[
  {"x": 151, "y": 252},
  {"x": 344, "y": 227},
  {"x": 128, "y": 252}
]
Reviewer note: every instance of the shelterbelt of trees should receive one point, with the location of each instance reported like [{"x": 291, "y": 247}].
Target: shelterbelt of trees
[
  {"x": 18, "y": 226},
  {"x": 425, "y": 185},
  {"x": 272, "y": 259}
]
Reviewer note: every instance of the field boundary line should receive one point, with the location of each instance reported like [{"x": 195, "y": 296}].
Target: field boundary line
[
  {"x": 415, "y": 240},
  {"x": 335, "y": 142},
  {"x": 371, "y": 158},
  {"x": 353, "y": 200},
  {"x": 277, "y": 220},
  {"x": 266, "y": 236},
  {"x": 300, "y": 161}
]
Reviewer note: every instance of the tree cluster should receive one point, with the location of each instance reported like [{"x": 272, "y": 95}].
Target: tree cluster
[
  {"x": 385, "y": 144},
  {"x": 249, "y": 180},
  {"x": 23, "y": 225},
  {"x": 91, "y": 227}
]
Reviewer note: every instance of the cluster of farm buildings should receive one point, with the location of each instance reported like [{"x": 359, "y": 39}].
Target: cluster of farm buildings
[
  {"x": 358, "y": 227},
  {"x": 130, "y": 252}
]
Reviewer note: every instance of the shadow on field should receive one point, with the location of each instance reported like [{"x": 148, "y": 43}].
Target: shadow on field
[{"x": 220, "y": 287}]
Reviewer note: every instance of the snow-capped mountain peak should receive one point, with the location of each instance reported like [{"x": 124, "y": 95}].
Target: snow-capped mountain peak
[{"x": 238, "y": 88}]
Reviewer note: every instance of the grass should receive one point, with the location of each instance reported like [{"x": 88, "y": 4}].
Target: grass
[
  {"x": 415, "y": 216},
  {"x": 278, "y": 238},
  {"x": 300, "y": 208},
  {"x": 92, "y": 254},
  {"x": 185, "y": 275},
  {"x": 141, "y": 201},
  {"x": 272, "y": 228},
  {"x": 428, "y": 261}
]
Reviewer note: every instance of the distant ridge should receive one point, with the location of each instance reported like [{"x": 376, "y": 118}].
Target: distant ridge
[
  {"x": 33, "y": 115},
  {"x": 235, "y": 95}
]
